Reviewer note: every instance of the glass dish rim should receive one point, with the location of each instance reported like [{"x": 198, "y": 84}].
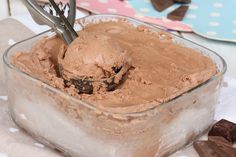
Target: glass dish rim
[{"x": 96, "y": 108}]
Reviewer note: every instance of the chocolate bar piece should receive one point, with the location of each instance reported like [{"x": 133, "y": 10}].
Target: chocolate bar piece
[
  {"x": 161, "y": 5},
  {"x": 183, "y": 1},
  {"x": 203, "y": 149},
  {"x": 219, "y": 140},
  {"x": 178, "y": 14},
  {"x": 233, "y": 134},
  {"x": 207, "y": 149},
  {"x": 214, "y": 148},
  {"x": 223, "y": 128},
  {"x": 224, "y": 145}
]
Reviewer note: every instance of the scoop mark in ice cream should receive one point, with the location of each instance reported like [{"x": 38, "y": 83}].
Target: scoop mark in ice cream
[
  {"x": 150, "y": 69},
  {"x": 91, "y": 66}
]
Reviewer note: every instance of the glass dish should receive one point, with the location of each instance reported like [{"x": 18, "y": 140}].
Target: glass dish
[{"x": 81, "y": 129}]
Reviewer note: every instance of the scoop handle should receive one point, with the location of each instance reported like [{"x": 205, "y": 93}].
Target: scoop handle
[{"x": 42, "y": 17}]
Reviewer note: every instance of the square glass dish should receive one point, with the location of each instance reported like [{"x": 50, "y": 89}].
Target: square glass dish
[{"x": 81, "y": 129}]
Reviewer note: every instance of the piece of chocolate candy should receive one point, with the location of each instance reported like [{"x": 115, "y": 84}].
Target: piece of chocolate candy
[
  {"x": 183, "y": 1},
  {"x": 207, "y": 149},
  {"x": 219, "y": 140},
  {"x": 233, "y": 133},
  {"x": 214, "y": 148},
  {"x": 161, "y": 5},
  {"x": 178, "y": 14},
  {"x": 83, "y": 85},
  {"x": 223, "y": 128},
  {"x": 223, "y": 145}
]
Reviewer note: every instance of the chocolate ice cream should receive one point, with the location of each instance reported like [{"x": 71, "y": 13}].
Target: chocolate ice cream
[{"x": 159, "y": 69}]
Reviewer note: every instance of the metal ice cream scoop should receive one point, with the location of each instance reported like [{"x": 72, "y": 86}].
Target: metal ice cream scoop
[
  {"x": 55, "y": 18},
  {"x": 61, "y": 25}
]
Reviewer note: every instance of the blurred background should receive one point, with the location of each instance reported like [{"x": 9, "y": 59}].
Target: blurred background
[{"x": 11, "y": 7}]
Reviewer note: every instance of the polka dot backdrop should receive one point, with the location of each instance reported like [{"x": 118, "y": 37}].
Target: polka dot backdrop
[
  {"x": 127, "y": 8},
  {"x": 214, "y": 19}
]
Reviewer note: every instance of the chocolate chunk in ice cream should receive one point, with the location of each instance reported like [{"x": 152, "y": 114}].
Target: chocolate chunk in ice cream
[{"x": 223, "y": 128}]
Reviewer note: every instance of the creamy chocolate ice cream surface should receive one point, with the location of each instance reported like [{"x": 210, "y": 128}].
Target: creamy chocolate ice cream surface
[{"x": 159, "y": 68}]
